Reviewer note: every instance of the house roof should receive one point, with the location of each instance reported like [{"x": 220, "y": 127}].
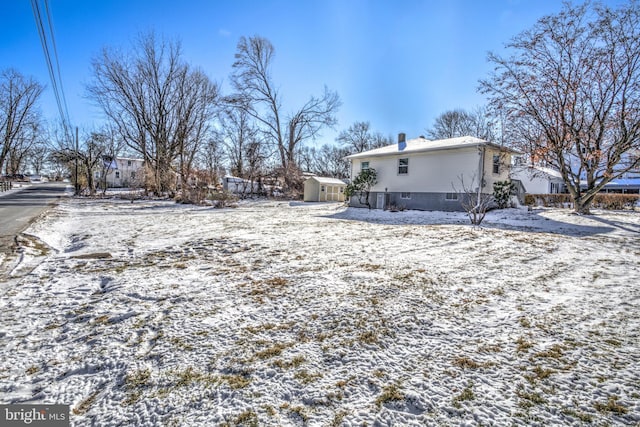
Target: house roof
[
  {"x": 328, "y": 181},
  {"x": 421, "y": 145}
]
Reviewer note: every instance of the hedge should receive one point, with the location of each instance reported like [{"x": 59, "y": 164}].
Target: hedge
[{"x": 608, "y": 201}]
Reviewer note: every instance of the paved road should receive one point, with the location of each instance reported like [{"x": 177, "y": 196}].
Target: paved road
[{"x": 18, "y": 209}]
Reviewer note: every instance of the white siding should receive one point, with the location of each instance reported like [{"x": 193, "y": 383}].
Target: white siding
[{"x": 435, "y": 171}]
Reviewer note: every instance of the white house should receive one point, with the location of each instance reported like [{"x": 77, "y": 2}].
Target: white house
[
  {"x": 537, "y": 179},
  {"x": 430, "y": 175},
  {"x": 321, "y": 189},
  {"x": 125, "y": 172}
]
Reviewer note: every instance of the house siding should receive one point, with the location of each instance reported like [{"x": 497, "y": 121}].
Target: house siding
[{"x": 431, "y": 175}]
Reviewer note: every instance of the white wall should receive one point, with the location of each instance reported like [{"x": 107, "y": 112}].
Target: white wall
[{"x": 435, "y": 171}]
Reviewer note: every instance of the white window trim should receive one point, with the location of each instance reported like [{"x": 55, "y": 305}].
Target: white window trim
[
  {"x": 448, "y": 199},
  {"x": 403, "y": 193}
]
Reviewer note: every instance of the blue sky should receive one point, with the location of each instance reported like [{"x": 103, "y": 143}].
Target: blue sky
[{"x": 397, "y": 64}]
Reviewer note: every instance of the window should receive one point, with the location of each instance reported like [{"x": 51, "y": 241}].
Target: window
[
  {"x": 496, "y": 163},
  {"x": 405, "y": 195},
  {"x": 342, "y": 189},
  {"x": 117, "y": 175},
  {"x": 128, "y": 162},
  {"x": 451, "y": 196},
  {"x": 364, "y": 166},
  {"x": 322, "y": 188},
  {"x": 403, "y": 166}
]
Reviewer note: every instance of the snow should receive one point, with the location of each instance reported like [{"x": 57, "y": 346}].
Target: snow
[{"x": 285, "y": 313}]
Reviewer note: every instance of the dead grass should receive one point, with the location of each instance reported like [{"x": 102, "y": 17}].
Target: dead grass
[{"x": 390, "y": 393}]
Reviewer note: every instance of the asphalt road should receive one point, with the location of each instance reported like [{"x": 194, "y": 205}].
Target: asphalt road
[{"x": 18, "y": 209}]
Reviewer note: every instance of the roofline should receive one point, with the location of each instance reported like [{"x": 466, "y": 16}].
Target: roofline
[{"x": 363, "y": 155}]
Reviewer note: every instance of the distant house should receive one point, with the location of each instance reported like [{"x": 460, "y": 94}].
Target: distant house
[
  {"x": 429, "y": 175},
  {"x": 124, "y": 172},
  {"x": 320, "y": 189},
  {"x": 538, "y": 180}
]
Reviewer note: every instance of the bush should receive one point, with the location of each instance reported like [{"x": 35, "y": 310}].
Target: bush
[
  {"x": 607, "y": 201},
  {"x": 502, "y": 193},
  {"x": 222, "y": 199}
]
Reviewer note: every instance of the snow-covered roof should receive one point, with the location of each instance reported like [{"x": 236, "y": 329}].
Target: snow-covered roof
[
  {"x": 537, "y": 171},
  {"x": 420, "y": 145},
  {"x": 328, "y": 181}
]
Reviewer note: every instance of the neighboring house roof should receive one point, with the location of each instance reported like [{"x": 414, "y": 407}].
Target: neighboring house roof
[
  {"x": 328, "y": 181},
  {"x": 537, "y": 171},
  {"x": 421, "y": 145}
]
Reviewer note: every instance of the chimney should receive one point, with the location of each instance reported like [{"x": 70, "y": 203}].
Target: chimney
[{"x": 402, "y": 141}]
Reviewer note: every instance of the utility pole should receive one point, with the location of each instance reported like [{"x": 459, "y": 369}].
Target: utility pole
[{"x": 77, "y": 149}]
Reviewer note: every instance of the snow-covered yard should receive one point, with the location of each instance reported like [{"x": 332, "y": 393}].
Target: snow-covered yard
[{"x": 280, "y": 313}]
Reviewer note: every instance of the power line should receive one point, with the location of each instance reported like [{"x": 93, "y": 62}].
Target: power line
[{"x": 46, "y": 39}]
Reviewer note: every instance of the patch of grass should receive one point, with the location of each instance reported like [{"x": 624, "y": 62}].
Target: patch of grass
[
  {"x": 522, "y": 344},
  {"x": 84, "y": 406},
  {"x": 553, "y": 352},
  {"x": 390, "y": 393},
  {"x": 273, "y": 351},
  {"x": 539, "y": 373},
  {"x": 611, "y": 405},
  {"x": 466, "y": 363},
  {"x": 276, "y": 282},
  {"x": 181, "y": 343},
  {"x": 301, "y": 412},
  {"x": 32, "y": 370},
  {"x": 379, "y": 373},
  {"x": 524, "y": 322},
  {"x": 247, "y": 418},
  {"x": 190, "y": 375},
  {"x": 102, "y": 320},
  {"x": 582, "y": 416},
  {"x": 529, "y": 399},
  {"x": 490, "y": 348},
  {"x": 137, "y": 379},
  {"x": 368, "y": 337},
  {"x": 132, "y": 398},
  {"x": 306, "y": 377},
  {"x": 465, "y": 395},
  {"x": 236, "y": 381},
  {"x": 614, "y": 342},
  {"x": 338, "y": 418},
  {"x": 96, "y": 255},
  {"x": 287, "y": 364}
]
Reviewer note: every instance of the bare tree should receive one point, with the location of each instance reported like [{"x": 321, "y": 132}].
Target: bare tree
[
  {"x": 258, "y": 95},
  {"x": 474, "y": 202},
  {"x": 459, "y": 122},
  {"x": 570, "y": 94},
  {"x": 239, "y": 131},
  {"x": 158, "y": 103},
  {"x": 88, "y": 157},
  {"x": 18, "y": 98},
  {"x": 357, "y": 138}
]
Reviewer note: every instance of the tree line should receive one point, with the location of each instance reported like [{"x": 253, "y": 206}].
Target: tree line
[{"x": 566, "y": 96}]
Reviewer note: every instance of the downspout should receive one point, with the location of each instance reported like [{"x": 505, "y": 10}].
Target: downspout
[{"x": 481, "y": 171}]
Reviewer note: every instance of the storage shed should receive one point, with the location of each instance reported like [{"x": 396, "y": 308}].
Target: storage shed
[{"x": 319, "y": 189}]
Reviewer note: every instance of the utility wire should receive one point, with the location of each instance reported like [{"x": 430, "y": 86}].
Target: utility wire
[{"x": 56, "y": 79}]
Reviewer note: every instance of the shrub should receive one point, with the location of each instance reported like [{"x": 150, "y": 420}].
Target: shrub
[
  {"x": 502, "y": 193},
  {"x": 605, "y": 201}
]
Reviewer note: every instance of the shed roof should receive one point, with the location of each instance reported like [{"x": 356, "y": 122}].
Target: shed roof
[
  {"x": 328, "y": 181},
  {"x": 420, "y": 145}
]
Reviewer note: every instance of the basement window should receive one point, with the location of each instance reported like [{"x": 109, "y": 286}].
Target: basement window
[
  {"x": 405, "y": 195},
  {"x": 451, "y": 196}
]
